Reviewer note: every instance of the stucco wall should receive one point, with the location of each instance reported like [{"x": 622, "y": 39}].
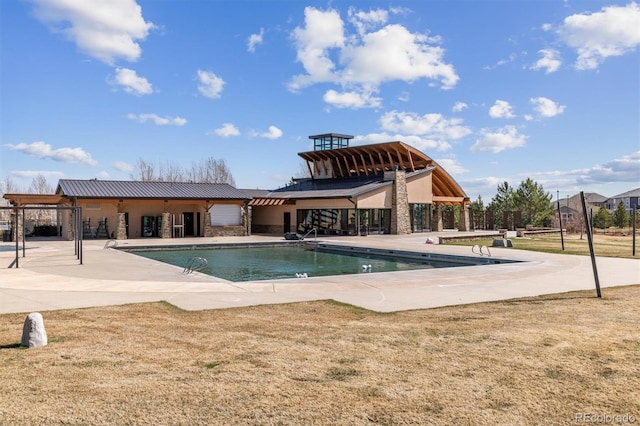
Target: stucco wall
[{"x": 420, "y": 189}]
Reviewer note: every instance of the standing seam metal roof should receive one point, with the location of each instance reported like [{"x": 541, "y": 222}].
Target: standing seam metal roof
[{"x": 149, "y": 190}]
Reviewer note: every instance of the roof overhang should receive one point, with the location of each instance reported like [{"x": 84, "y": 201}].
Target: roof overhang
[{"x": 36, "y": 199}]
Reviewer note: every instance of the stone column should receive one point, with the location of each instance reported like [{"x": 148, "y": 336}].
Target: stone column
[
  {"x": 439, "y": 222},
  {"x": 464, "y": 224},
  {"x": 165, "y": 232},
  {"x": 246, "y": 219},
  {"x": 208, "y": 229},
  {"x": 16, "y": 234},
  {"x": 400, "y": 219},
  {"x": 70, "y": 222},
  {"x": 121, "y": 227}
]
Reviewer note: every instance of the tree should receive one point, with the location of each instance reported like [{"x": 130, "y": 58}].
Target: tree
[
  {"x": 144, "y": 171},
  {"x": 602, "y": 219},
  {"x": 501, "y": 202},
  {"x": 39, "y": 185},
  {"x": 620, "y": 216},
  {"x": 534, "y": 203},
  {"x": 209, "y": 170},
  {"x": 477, "y": 213}
]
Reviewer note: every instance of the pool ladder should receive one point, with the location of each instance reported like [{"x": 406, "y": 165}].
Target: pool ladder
[
  {"x": 477, "y": 249},
  {"x": 195, "y": 264}
]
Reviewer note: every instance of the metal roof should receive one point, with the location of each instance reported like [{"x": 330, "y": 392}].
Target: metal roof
[{"x": 94, "y": 188}]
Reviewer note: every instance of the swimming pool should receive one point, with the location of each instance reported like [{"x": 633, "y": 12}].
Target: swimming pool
[{"x": 256, "y": 263}]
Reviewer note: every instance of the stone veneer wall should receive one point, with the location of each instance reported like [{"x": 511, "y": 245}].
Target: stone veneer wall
[
  {"x": 464, "y": 224},
  {"x": 400, "y": 218},
  {"x": 121, "y": 227},
  {"x": 165, "y": 231},
  {"x": 268, "y": 229}
]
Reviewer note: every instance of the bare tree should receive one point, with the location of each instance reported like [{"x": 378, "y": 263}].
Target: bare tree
[
  {"x": 171, "y": 172},
  {"x": 211, "y": 170},
  {"x": 144, "y": 171},
  {"x": 9, "y": 187},
  {"x": 39, "y": 185}
]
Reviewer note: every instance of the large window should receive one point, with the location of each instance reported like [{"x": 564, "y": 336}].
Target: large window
[
  {"x": 344, "y": 221},
  {"x": 420, "y": 217}
]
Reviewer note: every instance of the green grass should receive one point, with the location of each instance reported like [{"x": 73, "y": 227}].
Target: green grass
[{"x": 604, "y": 245}]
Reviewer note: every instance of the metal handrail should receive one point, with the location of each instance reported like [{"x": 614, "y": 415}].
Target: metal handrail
[
  {"x": 111, "y": 244},
  {"x": 314, "y": 230},
  {"x": 480, "y": 252},
  {"x": 195, "y": 264}
]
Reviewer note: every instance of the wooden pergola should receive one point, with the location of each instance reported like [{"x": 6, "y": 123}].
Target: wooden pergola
[
  {"x": 373, "y": 159},
  {"x": 19, "y": 200}
]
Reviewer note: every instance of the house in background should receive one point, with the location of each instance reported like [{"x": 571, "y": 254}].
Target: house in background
[{"x": 629, "y": 199}]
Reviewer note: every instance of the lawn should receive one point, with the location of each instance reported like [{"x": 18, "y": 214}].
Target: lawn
[{"x": 529, "y": 361}]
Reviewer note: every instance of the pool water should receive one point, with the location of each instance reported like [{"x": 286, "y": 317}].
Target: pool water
[{"x": 277, "y": 262}]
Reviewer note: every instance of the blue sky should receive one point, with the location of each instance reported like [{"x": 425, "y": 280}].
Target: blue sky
[{"x": 494, "y": 91}]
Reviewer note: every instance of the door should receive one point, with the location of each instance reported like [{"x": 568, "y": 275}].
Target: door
[
  {"x": 188, "y": 224},
  {"x": 287, "y": 222}
]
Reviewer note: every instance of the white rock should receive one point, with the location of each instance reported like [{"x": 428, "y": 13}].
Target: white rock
[{"x": 33, "y": 333}]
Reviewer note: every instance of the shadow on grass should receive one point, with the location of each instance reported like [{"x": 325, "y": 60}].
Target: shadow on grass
[{"x": 11, "y": 346}]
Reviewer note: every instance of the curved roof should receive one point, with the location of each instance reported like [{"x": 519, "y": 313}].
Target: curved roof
[{"x": 365, "y": 160}]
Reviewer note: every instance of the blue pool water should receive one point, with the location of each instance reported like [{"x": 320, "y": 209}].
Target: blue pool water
[
  {"x": 264, "y": 263},
  {"x": 278, "y": 262}
]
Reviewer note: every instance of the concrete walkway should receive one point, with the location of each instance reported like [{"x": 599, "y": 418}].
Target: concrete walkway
[{"x": 50, "y": 277}]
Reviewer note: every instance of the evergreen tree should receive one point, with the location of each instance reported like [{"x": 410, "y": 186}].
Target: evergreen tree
[
  {"x": 501, "y": 202},
  {"x": 602, "y": 219},
  {"x": 620, "y": 216},
  {"x": 534, "y": 203}
]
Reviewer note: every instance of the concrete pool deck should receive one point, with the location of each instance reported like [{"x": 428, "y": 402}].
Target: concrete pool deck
[{"x": 50, "y": 277}]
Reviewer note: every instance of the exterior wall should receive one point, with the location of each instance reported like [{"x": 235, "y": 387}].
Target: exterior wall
[
  {"x": 420, "y": 189},
  {"x": 400, "y": 219},
  {"x": 380, "y": 199}
]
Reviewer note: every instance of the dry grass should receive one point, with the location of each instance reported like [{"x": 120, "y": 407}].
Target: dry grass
[
  {"x": 604, "y": 245},
  {"x": 529, "y": 361}
]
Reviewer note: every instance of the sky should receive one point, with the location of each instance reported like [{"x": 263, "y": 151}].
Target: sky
[{"x": 493, "y": 90}]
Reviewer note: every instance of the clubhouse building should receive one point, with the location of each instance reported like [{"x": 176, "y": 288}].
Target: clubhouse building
[{"x": 384, "y": 188}]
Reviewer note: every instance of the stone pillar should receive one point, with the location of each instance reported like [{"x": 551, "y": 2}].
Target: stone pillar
[
  {"x": 165, "y": 232},
  {"x": 71, "y": 217},
  {"x": 16, "y": 234},
  {"x": 439, "y": 222},
  {"x": 464, "y": 224},
  {"x": 400, "y": 219},
  {"x": 208, "y": 229},
  {"x": 121, "y": 227},
  {"x": 246, "y": 219}
]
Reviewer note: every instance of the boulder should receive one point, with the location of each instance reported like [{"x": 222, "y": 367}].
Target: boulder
[
  {"x": 33, "y": 333},
  {"x": 502, "y": 242}
]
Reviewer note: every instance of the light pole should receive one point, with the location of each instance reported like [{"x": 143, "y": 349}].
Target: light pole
[{"x": 560, "y": 219}]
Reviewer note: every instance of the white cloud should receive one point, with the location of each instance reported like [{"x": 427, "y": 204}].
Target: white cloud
[
  {"x": 48, "y": 174},
  {"x": 432, "y": 126},
  {"x": 625, "y": 169},
  {"x": 210, "y": 84},
  {"x": 105, "y": 30},
  {"x": 103, "y": 175},
  {"x": 419, "y": 142},
  {"x": 500, "y": 140},
  {"x": 254, "y": 40},
  {"x": 227, "y": 130},
  {"x": 364, "y": 21},
  {"x": 353, "y": 100},
  {"x": 122, "y": 166},
  {"x": 613, "y": 31},
  {"x": 43, "y": 150},
  {"x": 273, "y": 133},
  {"x": 459, "y": 106},
  {"x": 360, "y": 62},
  {"x": 452, "y": 165},
  {"x": 501, "y": 109},
  {"x": 549, "y": 61},
  {"x": 546, "y": 108},
  {"x": 131, "y": 82},
  {"x": 157, "y": 120}
]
